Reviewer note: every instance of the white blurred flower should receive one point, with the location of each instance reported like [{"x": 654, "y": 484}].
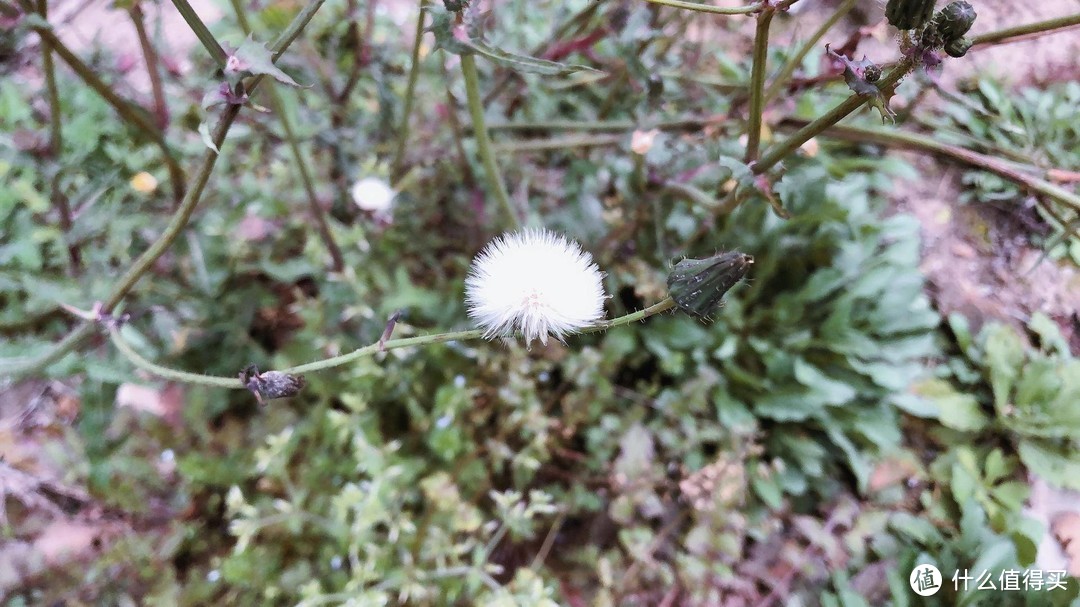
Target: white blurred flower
[
  {"x": 535, "y": 282},
  {"x": 373, "y": 194},
  {"x": 642, "y": 141}
]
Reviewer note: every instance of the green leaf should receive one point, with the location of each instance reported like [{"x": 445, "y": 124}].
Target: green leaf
[
  {"x": 1003, "y": 356},
  {"x": 829, "y": 390},
  {"x": 254, "y": 58},
  {"x": 1058, "y": 466},
  {"x": 961, "y": 412},
  {"x": 454, "y": 38},
  {"x": 1049, "y": 334}
]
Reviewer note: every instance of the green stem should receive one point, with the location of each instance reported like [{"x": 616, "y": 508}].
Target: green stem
[
  {"x": 22, "y": 367},
  {"x": 700, "y": 197},
  {"x": 172, "y": 374},
  {"x": 706, "y": 8},
  {"x": 483, "y": 140},
  {"x": 410, "y": 91},
  {"x": 757, "y": 83},
  {"x": 1007, "y": 34},
  {"x": 781, "y": 150},
  {"x": 201, "y": 31},
  {"x": 796, "y": 60},
  {"x": 56, "y": 144},
  {"x": 219, "y": 381},
  {"x": 923, "y": 143},
  {"x": 318, "y": 214},
  {"x": 157, "y": 89}
]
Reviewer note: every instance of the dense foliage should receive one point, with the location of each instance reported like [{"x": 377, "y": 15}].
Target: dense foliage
[{"x": 821, "y": 435}]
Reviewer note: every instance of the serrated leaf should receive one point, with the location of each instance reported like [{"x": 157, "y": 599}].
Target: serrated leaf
[
  {"x": 455, "y": 39},
  {"x": 254, "y": 58},
  {"x": 526, "y": 64}
]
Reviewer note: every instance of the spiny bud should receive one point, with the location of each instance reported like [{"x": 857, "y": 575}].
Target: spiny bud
[
  {"x": 954, "y": 20},
  {"x": 699, "y": 285},
  {"x": 908, "y": 14},
  {"x": 958, "y": 47}
]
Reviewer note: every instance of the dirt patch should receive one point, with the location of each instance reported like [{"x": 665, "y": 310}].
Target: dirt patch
[{"x": 978, "y": 258}]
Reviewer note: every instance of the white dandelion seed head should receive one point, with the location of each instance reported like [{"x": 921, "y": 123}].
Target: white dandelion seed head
[
  {"x": 373, "y": 194},
  {"x": 535, "y": 282}
]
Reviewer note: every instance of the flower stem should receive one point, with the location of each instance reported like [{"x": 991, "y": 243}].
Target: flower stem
[
  {"x": 410, "y": 92},
  {"x": 317, "y": 213},
  {"x": 22, "y": 367},
  {"x": 483, "y": 140},
  {"x": 201, "y": 31},
  {"x": 925, "y": 143},
  {"x": 171, "y": 374},
  {"x": 161, "y": 108},
  {"x": 1039, "y": 27},
  {"x": 757, "y": 83},
  {"x": 794, "y": 61},
  {"x": 219, "y": 381},
  {"x": 708, "y": 8},
  {"x": 56, "y": 145}
]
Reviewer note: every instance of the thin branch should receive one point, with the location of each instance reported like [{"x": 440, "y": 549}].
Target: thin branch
[
  {"x": 161, "y": 108},
  {"x": 483, "y": 140},
  {"x": 219, "y": 381},
  {"x": 794, "y": 61},
  {"x": 22, "y": 367},
  {"x": 1010, "y": 34},
  {"x": 56, "y": 145},
  {"x": 923, "y": 143},
  {"x": 361, "y": 51},
  {"x": 708, "y": 8},
  {"x": 318, "y": 214},
  {"x": 757, "y": 83},
  {"x": 410, "y": 91},
  {"x": 201, "y": 31}
]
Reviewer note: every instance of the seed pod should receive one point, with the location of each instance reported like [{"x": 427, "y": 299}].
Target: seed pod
[
  {"x": 270, "y": 385},
  {"x": 958, "y": 47},
  {"x": 699, "y": 285},
  {"x": 954, "y": 20},
  {"x": 908, "y": 14}
]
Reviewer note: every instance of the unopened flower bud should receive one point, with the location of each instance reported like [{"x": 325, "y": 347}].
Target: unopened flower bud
[
  {"x": 908, "y": 14},
  {"x": 872, "y": 73},
  {"x": 698, "y": 285},
  {"x": 954, "y": 20},
  {"x": 958, "y": 47}
]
